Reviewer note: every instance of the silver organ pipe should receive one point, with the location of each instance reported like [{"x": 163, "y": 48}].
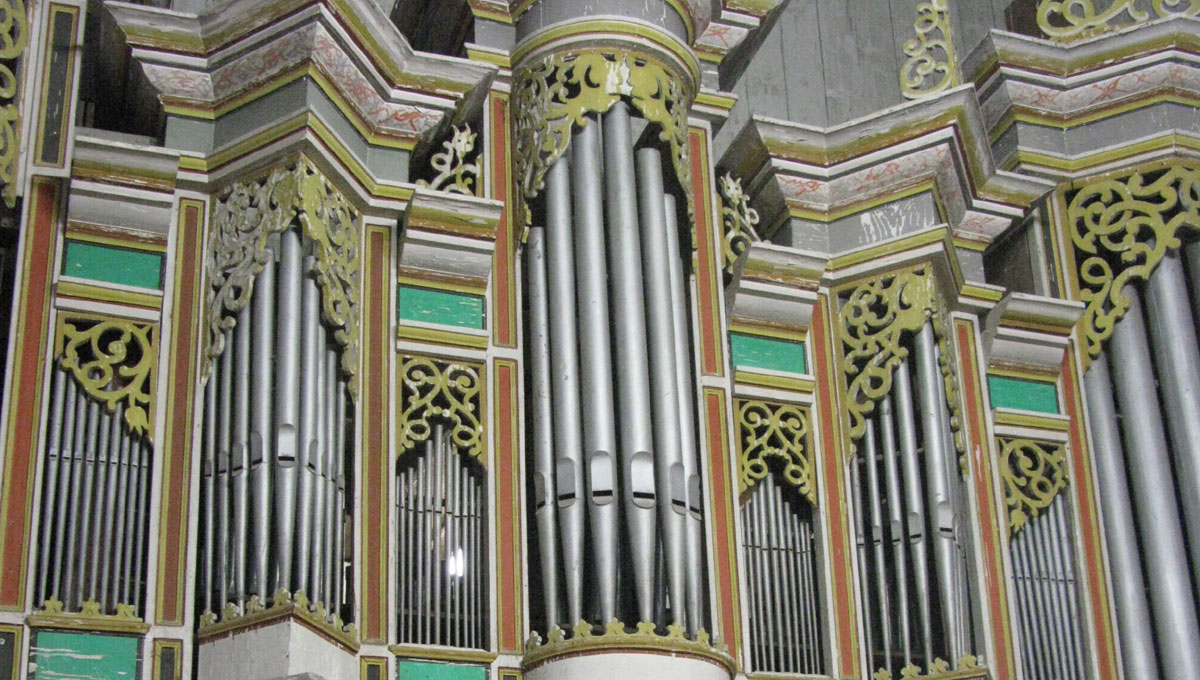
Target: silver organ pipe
[
  {"x": 274, "y": 449},
  {"x": 778, "y": 544},
  {"x": 443, "y": 559},
  {"x": 611, "y": 398},
  {"x": 907, "y": 497},
  {"x": 91, "y": 514}
]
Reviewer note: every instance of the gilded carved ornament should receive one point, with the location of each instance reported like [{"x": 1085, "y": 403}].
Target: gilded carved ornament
[
  {"x": 930, "y": 65},
  {"x": 1033, "y": 473},
  {"x": 937, "y": 669},
  {"x": 738, "y": 220},
  {"x": 90, "y": 616},
  {"x": 283, "y": 603},
  {"x": 771, "y": 431},
  {"x": 614, "y": 635},
  {"x": 248, "y": 214},
  {"x": 1121, "y": 229},
  {"x": 1075, "y": 19},
  {"x": 554, "y": 95},
  {"x": 446, "y": 391},
  {"x": 455, "y": 173},
  {"x": 113, "y": 361},
  {"x": 872, "y": 324},
  {"x": 14, "y": 37}
]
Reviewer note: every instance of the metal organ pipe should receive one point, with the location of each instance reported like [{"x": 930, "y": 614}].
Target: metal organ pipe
[
  {"x": 891, "y": 475},
  {"x": 1170, "y": 592},
  {"x": 240, "y": 452},
  {"x": 885, "y": 610},
  {"x": 914, "y": 500},
  {"x": 58, "y": 390},
  {"x": 287, "y": 402},
  {"x": 599, "y": 427},
  {"x": 262, "y": 440}
]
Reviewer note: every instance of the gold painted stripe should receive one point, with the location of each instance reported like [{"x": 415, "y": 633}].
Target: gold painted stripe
[
  {"x": 440, "y": 283},
  {"x": 856, "y": 207},
  {"x": 98, "y": 623},
  {"x": 981, "y": 293},
  {"x": 744, "y": 377},
  {"x": 104, "y": 294},
  {"x": 439, "y": 336},
  {"x": 1021, "y": 373},
  {"x": 794, "y": 334},
  {"x": 1037, "y": 422},
  {"x": 113, "y": 173},
  {"x": 80, "y": 232},
  {"x": 442, "y": 654},
  {"x": 715, "y": 99}
]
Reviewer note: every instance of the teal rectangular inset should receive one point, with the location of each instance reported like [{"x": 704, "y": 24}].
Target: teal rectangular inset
[
  {"x": 432, "y": 305},
  {"x": 759, "y": 351},
  {"x": 124, "y": 266},
  {"x": 424, "y": 670},
  {"x": 56, "y": 656},
  {"x": 1025, "y": 395}
]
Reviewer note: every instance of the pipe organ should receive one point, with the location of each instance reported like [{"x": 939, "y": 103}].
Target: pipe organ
[
  {"x": 97, "y": 465},
  {"x": 618, "y": 518}
]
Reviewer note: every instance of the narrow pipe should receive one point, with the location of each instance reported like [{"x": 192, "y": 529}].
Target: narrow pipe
[
  {"x": 769, "y": 603},
  {"x": 789, "y": 574},
  {"x": 341, "y": 435},
  {"x": 694, "y": 522},
  {"x": 79, "y": 530},
  {"x": 51, "y": 466},
  {"x": 1173, "y": 340},
  {"x": 330, "y": 515},
  {"x": 914, "y": 501},
  {"x": 671, "y": 480},
  {"x": 799, "y": 590},
  {"x": 240, "y": 451},
  {"x": 1035, "y": 643},
  {"x": 891, "y": 475},
  {"x": 127, "y": 566},
  {"x": 568, "y": 444},
  {"x": 545, "y": 508},
  {"x": 108, "y": 534},
  {"x": 208, "y": 512},
  {"x": 803, "y": 529},
  {"x": 752, "y": 579},
  {"x": 1128, "y": 584},
  {"x": 1055, "y": 546},
  {"x": 779, "y": 583},
  {"x": 877, "y": 539},
  {"x": 1067, "y": 546},
  {"x": 860, "y": 541},
  {"x": 1170, "y": 592},
  {"x": 595, "y": 362},
  {"x": 139, "y": 541},
  {"x": 72, "y": 423},
  {"x": 937, "y": 462},
  {"x": 310, "y": 351},
  {"x": 83, "y": 424},
  {"x": 1050, "y": 614},
  {"x": 224, "y": 486},
  {"x": 262, "y": 452},
  {"x": 438, "y": 555},
  {"x": 93, "y": 546},
  {"x": 316, "y": 577},
  {"x": 452, "y": 566},
  {"x": 423, "y": 541},
  {"x": 632, "y": 365},
  {"x": 120, "y": 543},
  {"x": 287, "y": 404},
  {"x": 404, "y": 554}
]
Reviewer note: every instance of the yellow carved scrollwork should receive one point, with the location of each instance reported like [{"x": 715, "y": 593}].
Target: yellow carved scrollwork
[
  {"x": 1033, "y": 473},
  {"x": 443, "y": 390},
  {"x": 738, "y": 220},
  {"x": 555, "y": 94},
  {"x": 644, "y": 636},
  {"x": 771, "y": 431},
  {"x": 1073, "y": 19},
  {"x": 872, "y": 323},
  {"x": 245, "y": 218},
  {"x": 1121, "y": 229},
  {"x": 113, "y": 361},
  {"x": 939, "y": 668},
  {"x": 930, "y": 66},
  {"x": 455, "y": 174},
  {"x": 14, "y": 37}
]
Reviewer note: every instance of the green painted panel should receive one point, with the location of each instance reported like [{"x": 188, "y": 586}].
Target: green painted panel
[
  {"x": 83, "y": 656},
  {"x": 440, "y": 306},
  {"x": 1026, "y": 395},
  {"x": 423, "y": 670},
  {"x": 762, "y": 352},
  {"x": 97, "y": 262}
]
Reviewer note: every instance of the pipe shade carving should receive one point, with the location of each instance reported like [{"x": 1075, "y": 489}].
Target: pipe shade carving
[
  {"x": 738, "y": 220},
  {"x": 244, "y": 219},
  {"x": 930, "y": 67},
  {"x": 448, "y": 391},
  {"x": 1033, "y": 473},
  {"x": 1121, "y": 228},
  {"x": 455, "y": 173},
  {"x": 871, "y": 324},
  {"x": 14, "y": 38},
  {"x": 772, "y": 431},
  {"x": 1075, "y": 19},
  {"x": 113, "y": 361},
  {"x": 555, "y": 94}
]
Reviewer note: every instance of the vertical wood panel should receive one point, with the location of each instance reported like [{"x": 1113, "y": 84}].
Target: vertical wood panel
[
  {"x": 24, "y": 396},
  {"x": 507, "y": 468},
  {"x": 721, "y": 523},
  {"x": 374, "y": 472},
  {"x": 803, "y": 64},
  {"x": 503, "y": 286},
  {"x": 708, "y": 274}
]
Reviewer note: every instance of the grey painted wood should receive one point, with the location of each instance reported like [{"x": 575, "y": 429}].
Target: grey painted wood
[{"x": 802, "y": 59}]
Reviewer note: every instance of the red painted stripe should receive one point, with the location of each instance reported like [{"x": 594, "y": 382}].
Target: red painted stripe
[
  {"x": 983, "y": 491},
  {"x": 25, "y": 398},
  {"x": 1087, "y": 521},
  {"x": 508, "y": 503},
  {"x": 375, "y": 446},
  {"x": 502, "y": 260},
  {"x": 174, "y": 510},
  {"x": 842, "y": 591},
  {"x": 714, "y": 412},
  {"x": 706, "y": 271}
]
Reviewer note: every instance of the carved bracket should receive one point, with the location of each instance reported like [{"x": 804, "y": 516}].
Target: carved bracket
[
  {"x": 455, "y": 174},
  {"x": 738, "y": 221},
  {"x": 771, "y": 431},
  {"x": 554, "y": 95},
  {"x": 248, "y": 214},
  {"x": 1076, "y": 19},
  {"x": 872, "y": 323},
  {"x": 930, "y": 67},
  {"x": 1121, "y": 229},
  {"x": 1033, "y": 473},
  {"x": 113, "y": 361},
  {"x": 447, "y": 391}
]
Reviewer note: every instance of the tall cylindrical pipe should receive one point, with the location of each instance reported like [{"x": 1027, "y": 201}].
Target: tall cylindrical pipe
[
  {"x": 860, "y": 542},
  {"x": 876, "y": 507},
  {"x": 240, "y": 452},
  {"x": 564, "y": 343},
  {"x": 1171, "y": 601},
  {"x": 595, "y": 361},
  {"x": 287, "y": 404},
  {"x": 120, "y": 540},
  {"x": 914, "y": 501},
  {"x": 262, "y": 440},
  {"x": 311, "y": 345},
  {"x": 891, "y": 474},
  {"x": 224, "y": 487},
  {"x": 94, "y": 546},
  {"x": 108, "y": 555},
  {"x": 632, "y": 365},
  {"x": 208, "y": 511},
  {"x": 664, "y": 399},
  {"x": 316, "y": 576},
  {"x": 545, "y": 508}
]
